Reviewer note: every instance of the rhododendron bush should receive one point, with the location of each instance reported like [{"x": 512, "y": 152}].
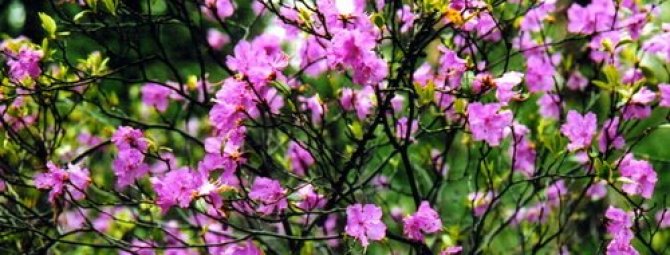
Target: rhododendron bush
[{"x": 243, "y": 127}]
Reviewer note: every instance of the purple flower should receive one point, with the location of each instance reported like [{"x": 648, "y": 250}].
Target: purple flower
[
  {"x": 451, "y": 67},
  {"x": 522, "y": 152},
  {"x": 140, "y": 247},
  {"x": 232, "y": 100},
  {"x": 452, "y": 250},
  {"x": 129, "y": 138},
  {"x": 364, "y": 223},
  {"x": 24, "y": 64},
  {"x": 424, "y": 221},
  {"x": 639, "y": 176},
  {"x": 216, "y": 39},
  {"x": 402, "y": 126},
  {"x": 488, "y": 122},
  {"x": 129, "y": 166},
  {"x": 549, "y": 106},
  {"x": 363, "y": 101},
  {"x": 74, "y": 180},
  {"x": 505, "y": 86},
  {"x": 315, "y": 107},
  {"x": 156, "y": 95},
  {"x": 579, "y": 129},
  {"x": 177, "y": 187},
  {"x": 638, "y": 106},
  {"x": 309, "y": 199},
  {"x": 577, "y": 81},
  {"x": 246, "y": 248},
  {"x": 663, "y": 218},
  {"x": 664, "y": 91},
  {"x": 353, "y": 49},
  {"x": 269, "y": 195},
  {"x": 619, "y": 223},
  {"x": 598, "y": 190},
  {"x": 406, "y": 17},
  {"x": 301, "y": 159},
  {"x": 222, "y": 8},
  {"x": 480, "y": 201},
  {"x": 610, "y": 136},
  {"x": 555, "y": 192},
  {"x": 597, "y": 16},
  {"x": 313, "y": 56}
]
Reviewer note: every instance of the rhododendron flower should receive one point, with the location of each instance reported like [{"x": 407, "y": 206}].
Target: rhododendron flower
[
  {"x": 638, "y": 106},
  {"x": 402, "y": 126},
  {"x": 352, "y": 49},
  {"x": 537, "y": 213},
  {"x": 362, "y": 101},
  {"x": 24, "y": 64},
  {"x": 216, "y": 39},
  {"x": 549, "y": 106},
  {"x": 156, "y": 95},
  {"x": 664, "y": 91},
  {"x": 129, "y": 138},
  {"x": 577, "y": 81},
  {"x": 364, "y": 223},
  {"x": 74, "y": 180},
  {"x": 609, "y": 135},
  {"x": 309, "y": 199},
  {"x": 480, "y": 201},
  {"x": 598, "y": 190},
  {"x": 140, "y": 247},
  {"x": 619, "y": 223},
  {"x": 579, "y": 129},
  {"x": 488, "y": 122},
  {"x": 451, "y": 66},
  {"x": 222, "y": 8},
  {"x": 269, "y": 195},
  {"x": 595, "y": 17},
  {"x": 640, "y": 177},
  {"x": 315, "y": 107},
  {"x": 506, "y": 84},
  {"x": 663, "y": 218},
  {"x": 452, "y": 250},
  {"x": 129, "y": 166},
  {"x": 555, "y": 192},
  {"x": 424, "y": 221},
  {"x": 246, "y": 248},
  {"x": 177, "y": 187},
  {"x": 313, "y": 56},
  {"x": 301, "y": 159},
  {"x": 522, "y": 152},
  {"x": 406, "y": 17}
]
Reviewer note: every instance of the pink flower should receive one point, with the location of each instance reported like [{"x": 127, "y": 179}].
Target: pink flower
[
  {"x": 424, "y": 221},
  {"x": 301, "y": 159},
  {"x": 129, "y": 138},
  {"x": 505, "y": 86},
  {"x": 549, "y": 106},
  {"x": 664, "y": 91},
  {"x": 269, "y": 195},
  {"x": 610, "y": 137},
  {"x": 522, "y": 152},
  {"x": 406, "y": 17},
  {"x": 452, "y": 250},
  {"x": 362, "y": 101},
  {"x": 140, "y": 247},
  {"x": 177, "y": 187},
  {"x": 555, "y": 192},
  {"x": 639, "y": 176},
  {"x": 364, "y": 223},
  {"x": 246, "y": 248},
  {"x": 402, "y": 126},
  {"x": 638, "y": 106},
  {"x": 663, "y": 218},
  {"x": 353, "y": 49},
  {"x": 577, "y": 81},
  {"x": 74, "y": 180},
  {"x": 222, "y": 8},
  {"x": 309, "y": 199},
  {"x": 579, "y": 129},
  {"x": 598, "y": 190},
  {"x": 216, "y": 39},
  {"x": 156, "y": 95},
  {"x": 619, "y": 223},
  {"x": 314, "y": 105},
  {"x": 488, "y": 122},
  {"x": 451, "y": 67},
  {"x": 313, "y": 56},
  {"x": 129, "y": 166},
  {"x": 24, "y": 64},
  {"x": 480, "y": 201}
]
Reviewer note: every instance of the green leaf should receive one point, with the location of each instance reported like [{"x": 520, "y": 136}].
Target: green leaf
[
  {"x": 49, "y": 24},
  {"x": 110, "y": 5},
  {"x": 80, "y": 15}
]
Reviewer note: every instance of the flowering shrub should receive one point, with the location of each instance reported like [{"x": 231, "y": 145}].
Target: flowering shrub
[{"x": 335, "y": 127}]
